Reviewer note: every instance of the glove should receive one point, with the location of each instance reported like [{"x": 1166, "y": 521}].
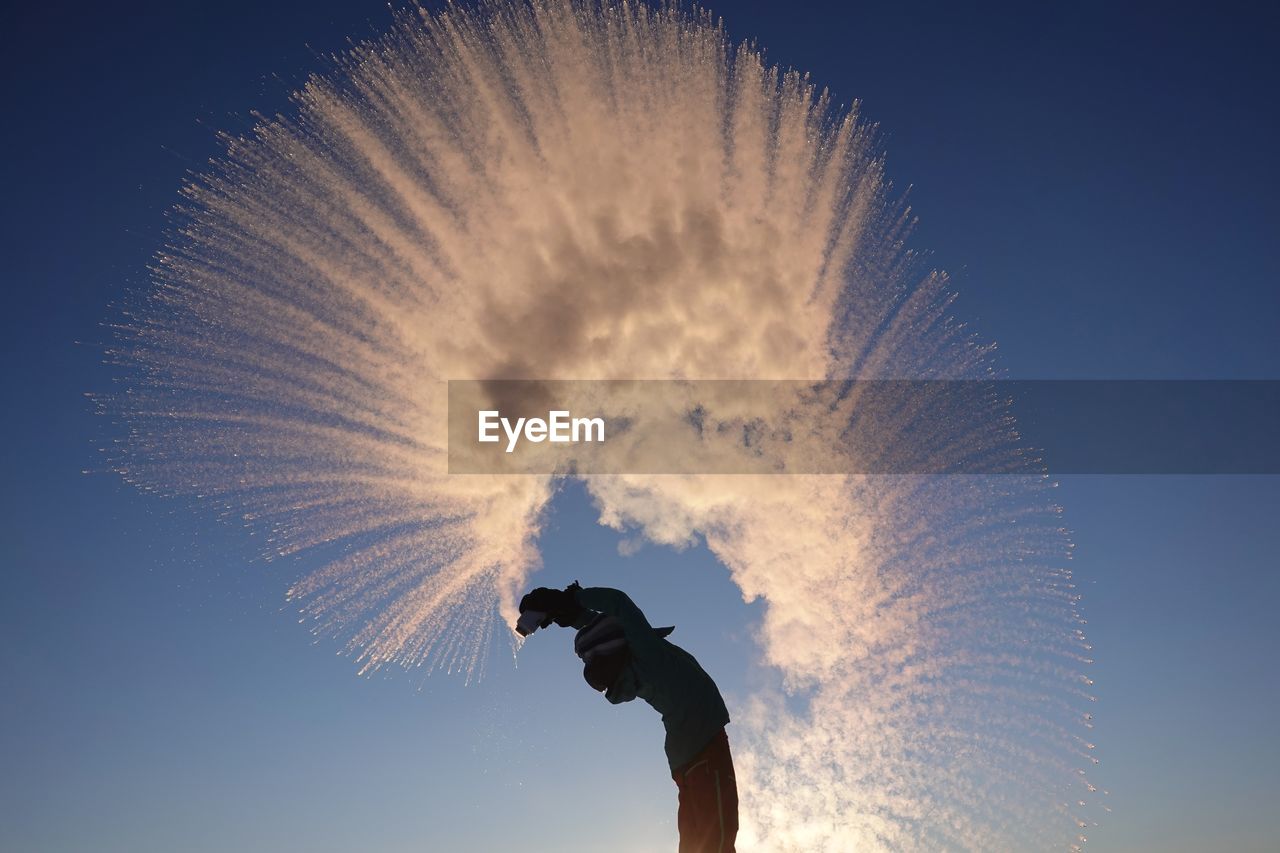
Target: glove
[
  {"x": 572, "y": 609},
  {"x": 602, "y": 645},
  {"x": 560, "y": 605}
]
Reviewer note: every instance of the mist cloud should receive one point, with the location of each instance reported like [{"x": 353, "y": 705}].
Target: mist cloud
[{"x": 567, "y": 191}]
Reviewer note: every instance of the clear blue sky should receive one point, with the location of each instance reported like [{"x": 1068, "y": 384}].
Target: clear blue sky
[{"x": 1102, "y": 183}]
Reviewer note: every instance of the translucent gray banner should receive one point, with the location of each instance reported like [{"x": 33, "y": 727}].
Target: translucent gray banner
[{"x": 864, "y": 427}]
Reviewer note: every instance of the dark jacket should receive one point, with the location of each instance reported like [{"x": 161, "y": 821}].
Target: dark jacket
[{"x": 662, "y": 674}]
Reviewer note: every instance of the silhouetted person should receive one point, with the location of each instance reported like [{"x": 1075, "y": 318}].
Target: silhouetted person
[{"x": 624, "y": 657}]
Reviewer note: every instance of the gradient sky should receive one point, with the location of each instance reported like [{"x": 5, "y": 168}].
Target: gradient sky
[{"x": 1100, "y": 182}]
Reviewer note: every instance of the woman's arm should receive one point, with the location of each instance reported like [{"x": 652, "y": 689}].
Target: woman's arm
[{"x": 616, "y": 603}]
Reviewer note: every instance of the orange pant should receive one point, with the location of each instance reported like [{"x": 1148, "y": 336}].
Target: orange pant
[{"x": 708, "y": 818}]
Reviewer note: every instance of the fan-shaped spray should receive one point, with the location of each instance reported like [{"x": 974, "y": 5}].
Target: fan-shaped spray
[{"x": 561, "y": 190}]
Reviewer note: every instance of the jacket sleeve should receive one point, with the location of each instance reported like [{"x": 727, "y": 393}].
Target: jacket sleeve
[{"x": 618, "y": 604}]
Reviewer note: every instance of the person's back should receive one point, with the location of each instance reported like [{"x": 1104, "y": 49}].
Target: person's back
[{"x": 625, "y": 657}]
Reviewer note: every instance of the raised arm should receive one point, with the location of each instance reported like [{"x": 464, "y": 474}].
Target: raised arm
[
  {"x": 574, "y": 607},
  {"x": 617, "y": 603}
]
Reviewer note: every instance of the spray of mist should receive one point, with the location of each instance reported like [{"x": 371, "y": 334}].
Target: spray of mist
[{"x": 568, "y": 190}]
